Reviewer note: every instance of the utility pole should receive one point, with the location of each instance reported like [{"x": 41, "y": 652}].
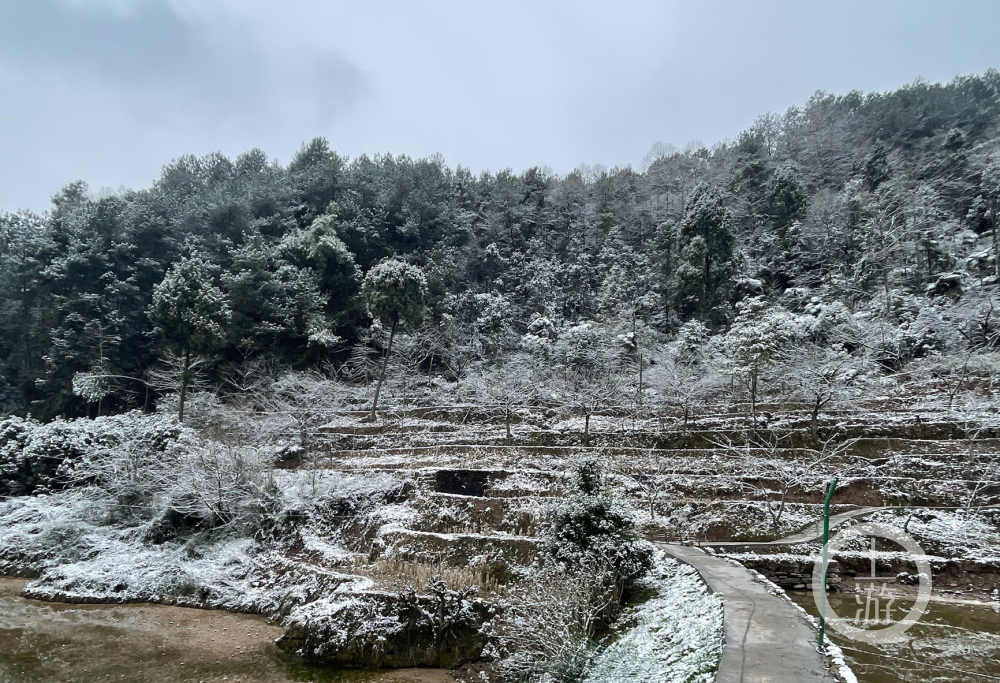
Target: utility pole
[{"x": 826, "y": 541}]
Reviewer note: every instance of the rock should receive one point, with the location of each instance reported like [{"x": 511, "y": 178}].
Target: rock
[
  {"x": 388, "y": 630},
  {"x": 947, "y": 284}
]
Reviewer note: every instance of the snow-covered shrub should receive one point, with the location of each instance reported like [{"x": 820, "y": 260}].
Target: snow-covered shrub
[
  {"x": 582, "y": 345},
  {"x": 15, "y": 472},
  {"x": 38, "y": 457},
  {"x": 546, "y": 629},
  {"x": 689, "y": 343},
  {"x": 592, "y": 525},
  {"x": 540, "y": 336},
  {"x": 590, "y": 557},
  {"x": 823, "y": 321},
  {"x": 37, "y": 532},
  {"x": 225, "y": 484},
  {"x": 136, "y": 467},
  {"x": 927, "y": 333}
]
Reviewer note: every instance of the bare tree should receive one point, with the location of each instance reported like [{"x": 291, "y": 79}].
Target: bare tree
[
  {"x": 766, "y": 468},
  {"x": 822, "y": 377},
  {"x": 649, "y": 470},
  {"x": 450, "y": 344},
  {"x": 305, "y": 401},
  {"x": 588, "y": 390},
  {"x": 978, "y": 322},
  {"x": 976, "y": 415},
  {"x": 176, "y": 374},
  {"x": 548, "y": 623},
  {"x": 508, "y": 389},
  {"x": 133, "y": 469},
  {"x": 684, "y": 385},
  {"x": 224, "y": 483}
]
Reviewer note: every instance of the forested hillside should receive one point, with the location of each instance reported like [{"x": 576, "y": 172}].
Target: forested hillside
[{"x": 870, "y": 219}]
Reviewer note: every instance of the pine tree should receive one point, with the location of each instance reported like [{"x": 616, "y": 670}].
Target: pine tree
[
  {"x": 191, "y": 313},
  {"x": 394, "y": 292}
]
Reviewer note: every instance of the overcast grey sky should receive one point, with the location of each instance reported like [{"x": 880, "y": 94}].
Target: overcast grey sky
[{"x": 110, "y": 90}]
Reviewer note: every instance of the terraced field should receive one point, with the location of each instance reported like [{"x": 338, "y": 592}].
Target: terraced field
[{"x": 435, "y": 509}]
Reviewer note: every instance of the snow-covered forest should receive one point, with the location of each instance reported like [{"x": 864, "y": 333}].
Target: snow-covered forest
[
  {"x": 866, "y": 224},
  {"x": 387, "y": 402}
]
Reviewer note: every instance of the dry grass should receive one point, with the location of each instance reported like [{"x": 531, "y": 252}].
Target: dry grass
[{"x": 398, "y": 575}]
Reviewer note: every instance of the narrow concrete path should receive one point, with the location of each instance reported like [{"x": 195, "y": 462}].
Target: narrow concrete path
[
  {"x": 812, "y": 532},
  {"x": 767, "y": 639}
]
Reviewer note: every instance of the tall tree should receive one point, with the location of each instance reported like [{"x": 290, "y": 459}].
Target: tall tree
[
  {"x": 394, "y": 292},
  {"x": 708, "y": 247},
  {"x": 191, "y": 313}
]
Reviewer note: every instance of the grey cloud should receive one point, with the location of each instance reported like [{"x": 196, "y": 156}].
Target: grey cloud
[
  {"x": 337, "y": 83},
  {"x": 149, "y": 48}
]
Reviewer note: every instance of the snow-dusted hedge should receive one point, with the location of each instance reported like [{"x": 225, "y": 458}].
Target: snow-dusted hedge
[
  {"x": 37, "y": 456},
  {"x": 593, "y": 524}
]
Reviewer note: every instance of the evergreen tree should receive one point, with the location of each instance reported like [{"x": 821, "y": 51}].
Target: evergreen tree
[
  {"x": 707, "y": 251},
  {"x": 191, "y": 313},
  {"x": 394, "y": 292}
]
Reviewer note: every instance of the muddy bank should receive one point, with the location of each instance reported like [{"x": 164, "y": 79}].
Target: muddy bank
[
  {"x": 952, "y": 641},
  {"x": 53, "y": 642}
]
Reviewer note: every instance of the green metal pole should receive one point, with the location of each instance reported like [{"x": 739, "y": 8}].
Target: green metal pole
[{"x": 826, "y": 540}]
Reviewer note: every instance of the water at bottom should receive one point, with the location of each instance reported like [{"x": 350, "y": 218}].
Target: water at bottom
[
  {"x": 950, "y": 642},
  {"x": 52, "y": 642}
]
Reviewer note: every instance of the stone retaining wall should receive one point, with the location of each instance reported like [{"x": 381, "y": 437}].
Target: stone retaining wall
[{"x": 793, "y": 574}]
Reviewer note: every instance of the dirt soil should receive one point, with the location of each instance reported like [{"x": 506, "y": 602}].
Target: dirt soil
[{"x": 49, "y": 642}]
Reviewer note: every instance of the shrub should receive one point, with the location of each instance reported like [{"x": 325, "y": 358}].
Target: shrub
[
  {"x": 592, "y": 526},
  {"x": 36, "y": 457}
]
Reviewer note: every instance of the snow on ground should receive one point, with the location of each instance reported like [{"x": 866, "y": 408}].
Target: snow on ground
[
  {"x": 108, "y": 564},
  {"x": 964, "y": 534},
  {"x": 81, "y": 552},
  {"x": 677, "y": 636},
  {"x": 742, "y": 520}
]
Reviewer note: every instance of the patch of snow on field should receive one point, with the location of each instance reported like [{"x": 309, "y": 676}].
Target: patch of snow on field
[
  {"x": 678, "y": 633},
  {"x": 965, "y": 534}
]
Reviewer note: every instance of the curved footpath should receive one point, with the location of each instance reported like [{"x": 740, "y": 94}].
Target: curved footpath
[
  {"x": 813, "y": 532},
  {"x": 767, "y": 639}
]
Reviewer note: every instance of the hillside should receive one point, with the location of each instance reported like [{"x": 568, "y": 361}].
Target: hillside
[
  {"x": 878, "y": 207},
  {"x": 423, "y": 418}
]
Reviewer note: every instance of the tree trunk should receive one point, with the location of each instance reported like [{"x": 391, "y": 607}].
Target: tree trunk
[
  {"x": 996, "y": 246},
  {"x": 776, "y": 515},
  {"x": 640, "y": 378},
  {"x": 184, "y": 386},
  {"x": 814, "y": 419},
  {"x": 996, "y": 242},
  {"x": 381, "y": 376},
  {"x": 508, "y": 416},
  {"x": 888, "y": 298},
  {"x": 586, "y": 430}
]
